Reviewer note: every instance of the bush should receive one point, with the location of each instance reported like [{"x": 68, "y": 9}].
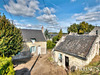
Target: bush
[
  {"x": 50, "y": 44},
  {"x": 54, "y": 39},
  {"x": 6, "y": 66}
]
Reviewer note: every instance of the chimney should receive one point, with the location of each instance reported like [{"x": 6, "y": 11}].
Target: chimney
[{"x": 42, "y": 29}]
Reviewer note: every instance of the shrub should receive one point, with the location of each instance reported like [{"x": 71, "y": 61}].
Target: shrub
[
  {"x": 50, "y": 44},
  {"x": 6, "y": 66},
  {"x": 54, "y": 39}
]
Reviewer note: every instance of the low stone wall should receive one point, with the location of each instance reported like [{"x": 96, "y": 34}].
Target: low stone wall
[{"x": 22, "y": 55}]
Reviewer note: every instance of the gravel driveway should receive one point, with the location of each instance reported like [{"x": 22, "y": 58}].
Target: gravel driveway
[{"x": 42, "y": 67}]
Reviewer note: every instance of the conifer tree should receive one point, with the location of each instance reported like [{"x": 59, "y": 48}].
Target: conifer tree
[
  {"x": 60, "y": 34},
  {"x": 10, "y": 38}
]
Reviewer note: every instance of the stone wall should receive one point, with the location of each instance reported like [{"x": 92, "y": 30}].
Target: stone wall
[
  {"x": 41, "y": 44},
  {"x": 74, "y": 61}
]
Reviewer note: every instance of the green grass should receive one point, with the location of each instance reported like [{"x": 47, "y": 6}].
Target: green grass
[
  {"x": 50, "y": 58},
  {"x": 92, "y": 69}
]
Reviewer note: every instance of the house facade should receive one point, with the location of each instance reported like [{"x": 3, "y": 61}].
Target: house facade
[
  {"x": 76, "y": 50},
  {"x": 95, "y": 31},
  {"x": 34, "y": 41}
]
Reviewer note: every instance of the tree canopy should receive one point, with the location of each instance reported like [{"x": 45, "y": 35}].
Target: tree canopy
[
  {"x": 10, "y": 38},
  {"x": 80, "y": 28}
]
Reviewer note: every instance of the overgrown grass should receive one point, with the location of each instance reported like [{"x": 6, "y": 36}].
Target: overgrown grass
[
  {"x": 92, "y": 69},
  {"x": 50, "y": 59}
]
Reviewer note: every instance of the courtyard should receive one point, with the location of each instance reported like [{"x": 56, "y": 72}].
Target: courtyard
[{"x": 43, "y": 66}]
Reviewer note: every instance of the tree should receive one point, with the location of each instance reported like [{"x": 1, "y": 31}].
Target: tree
[
  {"x": 60, "y": 34},
  {"x": 50, "y": 44},
  {"x": 10, "y": 38},
  {"x": 54, "y": 39},
  {"x": 47, "y": 34},
  {"x": 80, "y": 28}
]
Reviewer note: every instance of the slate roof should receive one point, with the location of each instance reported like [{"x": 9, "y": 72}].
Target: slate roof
[
  {"x": 29, "y": 34},
  {"x": 76, "y": 45}
]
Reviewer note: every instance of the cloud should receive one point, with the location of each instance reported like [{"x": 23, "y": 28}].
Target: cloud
[
  {"x": 22, "y": 7},
  {"x": 46, "y": 10},
  {"x": 48, "y": 17},
  {"x": 92, "y": 14},
  {"x": 73, "y": 0}
]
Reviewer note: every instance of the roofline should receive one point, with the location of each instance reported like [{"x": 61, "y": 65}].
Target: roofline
[{"x": 31, "y": 29}]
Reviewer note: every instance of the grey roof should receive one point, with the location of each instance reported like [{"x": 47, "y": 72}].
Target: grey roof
[
  {"x": 76, "y": 45},
  {"x": 29, "y": 34},
  {"x": 93, "y": 32}
]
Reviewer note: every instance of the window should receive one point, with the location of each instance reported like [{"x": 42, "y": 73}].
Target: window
[
  {"x": 33, "y": 40},
  {"x": 60, "y": 57},
  {"x": 33, "y": 49}
]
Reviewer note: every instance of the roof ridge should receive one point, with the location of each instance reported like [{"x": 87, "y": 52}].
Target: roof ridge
[{"x": 31, "y": 29}]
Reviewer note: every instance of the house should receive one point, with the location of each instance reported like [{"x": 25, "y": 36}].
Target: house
[
  {"x": 76, "y": 50},
  {"x": 34, "y": 41},
  {"x": 94, "y": 31}
]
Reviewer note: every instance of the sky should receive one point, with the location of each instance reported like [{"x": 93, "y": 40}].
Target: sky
[{"x": 51, "y": 14}]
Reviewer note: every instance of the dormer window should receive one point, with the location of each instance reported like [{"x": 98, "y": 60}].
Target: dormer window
[{"x": 33, "y": 40}]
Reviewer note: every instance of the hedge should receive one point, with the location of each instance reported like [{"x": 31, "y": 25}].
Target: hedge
[{"x": 6, "y": 66}]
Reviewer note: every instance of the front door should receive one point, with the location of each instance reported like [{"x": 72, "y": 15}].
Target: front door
[
  {"x": 39, "y": 49},
  {"x": 66, "y": 62}
]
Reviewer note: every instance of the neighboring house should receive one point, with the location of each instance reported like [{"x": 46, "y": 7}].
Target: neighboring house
[
  {"x": 76, "y": 50},
  {"x": 34, "y": 41},
  {"x": 95, "y": 31}
]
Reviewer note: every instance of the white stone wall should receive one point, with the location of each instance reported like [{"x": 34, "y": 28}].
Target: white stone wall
[
  {"x": 74, "y": 61},
  {"x": 41, "y": 44}
]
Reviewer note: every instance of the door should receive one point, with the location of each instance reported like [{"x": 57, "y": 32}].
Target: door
[
  {"x": 39, "y": 49},
  {"x": 66, "y": 62}
]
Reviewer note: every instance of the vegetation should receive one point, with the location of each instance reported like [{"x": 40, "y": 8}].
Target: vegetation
[
  {"x": 50, "y": 44},
  {"x": 6, "y": 66},
  {"x": 57, "y": 38},
  {"x": 60, "y": 34},
  {"x": 50, "y": 58},
  {"x": 80, "y": 28},
  {"x": 54, "y": 39},
  {"x": 92, "y": 69},
  {"x": 10, "y": 38},
  {"x": 47, "y": 34}
]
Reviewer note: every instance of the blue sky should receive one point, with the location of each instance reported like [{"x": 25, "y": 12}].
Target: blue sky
[{"x": 52, "y": 14}]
